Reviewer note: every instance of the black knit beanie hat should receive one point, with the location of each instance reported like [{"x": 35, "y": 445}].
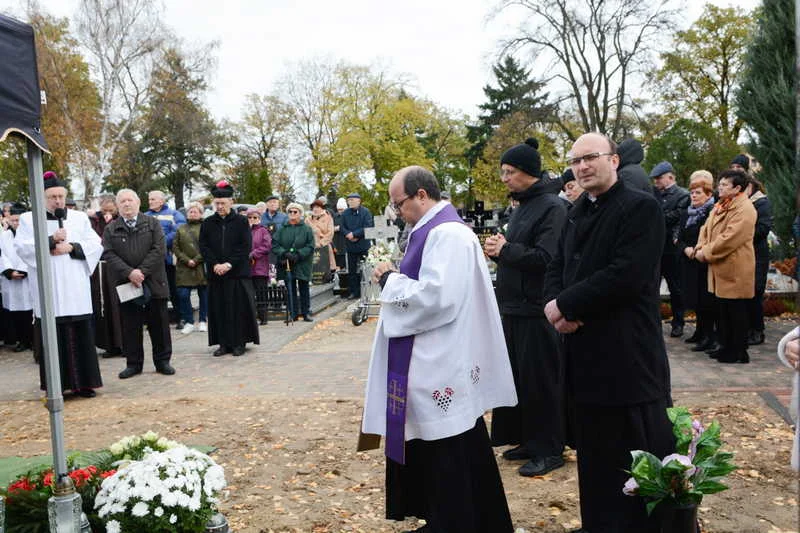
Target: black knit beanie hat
[
  {"x": 743, "y": 160},
  {"x": 525, "y": 157}
]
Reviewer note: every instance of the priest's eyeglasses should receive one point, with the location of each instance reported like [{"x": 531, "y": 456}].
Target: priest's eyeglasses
[
  {"x": 588, "y": 158},
  {"x": 398, "y": 205}
]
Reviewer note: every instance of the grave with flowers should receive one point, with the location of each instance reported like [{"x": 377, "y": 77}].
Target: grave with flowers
[{"x": 140, "y": 483}]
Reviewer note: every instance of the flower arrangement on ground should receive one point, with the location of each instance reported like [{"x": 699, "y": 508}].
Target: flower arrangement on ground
[
  {"x": 682, "y": 478},
  {"x": 174, "y": 491},
  {"x": 26, "y": 496}
]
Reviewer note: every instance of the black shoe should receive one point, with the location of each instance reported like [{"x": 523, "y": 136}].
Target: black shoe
[
  {"x": 695, "y": 338},
  {"x": 307, "y": 318},
  {"x": 86, "y": 393},
  {"x": 180, "y": 325},
  {"x": 20, "y": 347},
  {"x": 165, "y": 368},
  {"x": 129, "y": 372},
  {"x": 677, "y": 331},
  {"x": 705, "y": 344},
  {"x": 540, "y": 466},
  {"x": 238, "y": 350},
  {"x": 353, "y": 297},
  {"x": 714, "y": 350},
  {"x": 716, "y": 354},
  {"x": 741, "y": 358},
  {"x": 755, "y": 338},
  {"x": 222, "y": 350},
  {"x": 519, "y": 453},
  {"x": 114, "y": 352}
]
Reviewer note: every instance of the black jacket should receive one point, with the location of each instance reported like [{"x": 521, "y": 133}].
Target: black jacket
[
  {"x": 630, "y": 169},
  {"x": 694, "y": 274},
  {"x": 674, "y": 201},
  {"x": 226, "y": 240},
  {"x": 760, "y": 244},
  {"x": 606, "y": 274},
  {"x": 532, "y": 239},
  {"x": 142, "y": 247}
]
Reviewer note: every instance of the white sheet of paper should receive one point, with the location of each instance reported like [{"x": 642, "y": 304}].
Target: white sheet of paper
[{"x": 128, "y": 292}]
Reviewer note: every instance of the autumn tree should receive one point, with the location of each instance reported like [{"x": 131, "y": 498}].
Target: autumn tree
[
  {"x": 699, "y": 75},
  {"x": 595, "y": 49},
  {"x": 767, "y": 103},
  {"x": 123, "y": 38}
]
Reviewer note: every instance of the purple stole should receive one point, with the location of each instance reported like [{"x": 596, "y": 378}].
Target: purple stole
[{"x": 400, "y": 348}]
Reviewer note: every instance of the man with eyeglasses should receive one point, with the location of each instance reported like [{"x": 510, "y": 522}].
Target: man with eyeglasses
[
  {"x": 674, "y": 201},
  {"x": 536, "y": 426},
  {"x": 354, "y": 219},
  {"x": 602, "y": 293},
  {"x": 438, "y": 363}
]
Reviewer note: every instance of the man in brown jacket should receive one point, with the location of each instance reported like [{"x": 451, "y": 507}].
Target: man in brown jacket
[
  {"x": 134, "y": 248},
  {"x": 726, "y": 244}
]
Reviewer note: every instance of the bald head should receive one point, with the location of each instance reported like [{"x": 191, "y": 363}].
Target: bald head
[
  {"x": 594, "y": 161},
  {"x": 412, "y": 191}
]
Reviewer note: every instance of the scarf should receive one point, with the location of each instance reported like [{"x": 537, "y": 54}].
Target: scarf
[
  {"x": 699, "y": 212},
  {"x": 725, "y": 204}
]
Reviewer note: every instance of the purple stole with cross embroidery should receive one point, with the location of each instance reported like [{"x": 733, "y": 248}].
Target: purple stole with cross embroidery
[{"x": 400, "y": 348}]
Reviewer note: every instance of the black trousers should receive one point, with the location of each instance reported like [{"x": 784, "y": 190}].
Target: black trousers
[
  {"x": 733, "y": 327},
  {"x": 453, "y": 483},
  {"x": 354, "y": 272},
  {"x": 301, "y": 306},
  {"x": 175, "y": 312},
  {"x": 22, "y": 326},
  {"x": 755, "y": 311},
  {"x": 670, "y": 270},
  {"x": 133, "y": 318},
  {"x": 538, "y": 421},
  {"x": 605, "y": 437}
]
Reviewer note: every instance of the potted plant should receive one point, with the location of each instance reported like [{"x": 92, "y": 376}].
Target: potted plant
[{"x": 677, "y": 483}]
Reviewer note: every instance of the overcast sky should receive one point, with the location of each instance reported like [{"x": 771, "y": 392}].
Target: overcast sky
[{"x": 447, "y": 47}]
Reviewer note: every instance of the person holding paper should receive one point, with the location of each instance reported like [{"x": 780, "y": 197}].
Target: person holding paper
[
  {"x": 439, "y": 362},
  {"x": 74, "y": 253},
  {"x": 133, "y": 249}
]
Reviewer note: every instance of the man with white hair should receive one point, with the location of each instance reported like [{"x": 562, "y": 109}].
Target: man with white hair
[
  {"x": 134, "y": 246},
  {"x": 74, "y": 253}
]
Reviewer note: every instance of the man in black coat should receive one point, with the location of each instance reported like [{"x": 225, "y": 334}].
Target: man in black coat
[
  {"x": 630, "y": 171},
  {"x": 602, "y": 293},
  {"x": 354, "y": 220},
  {"x": 133, "y": 249},
  {"x": 225, "y": 242},
  {"x": 674, "y": 201},
  {"x": 537, "y": 423}
]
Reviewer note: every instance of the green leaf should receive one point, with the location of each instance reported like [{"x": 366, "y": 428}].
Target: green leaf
[{"x": 710, "y": 487}]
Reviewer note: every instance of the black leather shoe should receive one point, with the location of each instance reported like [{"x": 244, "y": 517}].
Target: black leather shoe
[
  {"x": 706, "y": 344},
  {"x": 755, "y": 338},
  {"x": 714, "y": 350},
  {"x": 307, "y": 318},
  {"x": 238, "y": 350},
  {"x": 516, "y": 454},
  {"x": 540, "y": 466},
  {"x": 741, "y": 358},
  {"x": 165, "y": 368},
  {"x": 86, "y": 393},
  {"x": 695, "y": 338},
  {"x": 222, "y": 350},
  {"x": 24, "y": 347},
  {"x": 677, "y": 331},
  {"x": 129, "y": 372},
  {"x": 716, "y": 354}
]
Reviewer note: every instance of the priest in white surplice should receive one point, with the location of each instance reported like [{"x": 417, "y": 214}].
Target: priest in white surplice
[
  {"x": 15, "y": 284},
  {"x": 75, "y": 250},
  {"x": 439, "y": 362}
]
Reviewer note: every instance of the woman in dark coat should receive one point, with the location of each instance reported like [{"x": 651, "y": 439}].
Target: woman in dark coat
[
  {"x": 225, "y": 243},
  {"x": 293, "y": 245},
  {"x": 259, "y": 261},
  {"x": 755, "y": 307},
  {"x": 694, "y": 275}
]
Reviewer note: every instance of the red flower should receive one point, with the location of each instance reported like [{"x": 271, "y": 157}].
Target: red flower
[
  {"x": 108, "y": 473},
  {"x": 22, "y": 484},
  {"x": 47, "y": 479},
  {"x": 92, "y": 469}
]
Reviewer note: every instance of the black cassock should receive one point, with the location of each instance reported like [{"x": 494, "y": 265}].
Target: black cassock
[
  {"x": 77, "y": 355},
  {"x": 231, "y": 298}
]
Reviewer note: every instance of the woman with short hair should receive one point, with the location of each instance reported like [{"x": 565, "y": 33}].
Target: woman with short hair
[
  {"x": 293, "y": 245},
  {"x": 726, "y": 244},
  {"x": 259, "y": 261}
]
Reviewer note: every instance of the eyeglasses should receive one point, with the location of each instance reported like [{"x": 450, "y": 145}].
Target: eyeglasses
[
  {"x": 398, "y": 205},
  {"x": 291, "y": 211},
  {"x": 588, "y": 158},
  {"x": 255, "y": 217}
]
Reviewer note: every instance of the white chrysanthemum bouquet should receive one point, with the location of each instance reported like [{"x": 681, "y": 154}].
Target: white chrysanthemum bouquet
[
  {"x": 381, "y": 252},
  {"x": 172, "y": 491}
]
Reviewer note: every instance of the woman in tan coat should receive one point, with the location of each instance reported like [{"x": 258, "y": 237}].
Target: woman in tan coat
[
  {"x": 321, "y": 224},
  {"x": 726, "y": 244}
]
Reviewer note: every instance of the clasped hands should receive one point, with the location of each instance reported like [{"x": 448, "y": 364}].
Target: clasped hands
[
  {"x": 493, "y": 245},
  {"x": 220, "y": 269},
  {"x": 62, "y": 246},
  {"x": 555, "y": 317}
]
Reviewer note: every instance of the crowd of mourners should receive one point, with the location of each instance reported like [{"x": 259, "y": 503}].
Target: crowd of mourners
[{"x": 120, "y": 268}]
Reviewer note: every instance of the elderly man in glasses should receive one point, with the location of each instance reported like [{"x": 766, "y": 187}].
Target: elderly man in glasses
[{"x": 602, "y": 295}]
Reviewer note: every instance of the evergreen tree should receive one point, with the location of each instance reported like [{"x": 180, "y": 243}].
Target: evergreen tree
[
  {"x": 515, "y": 91},
  {"x": 766, "y": 102}
]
